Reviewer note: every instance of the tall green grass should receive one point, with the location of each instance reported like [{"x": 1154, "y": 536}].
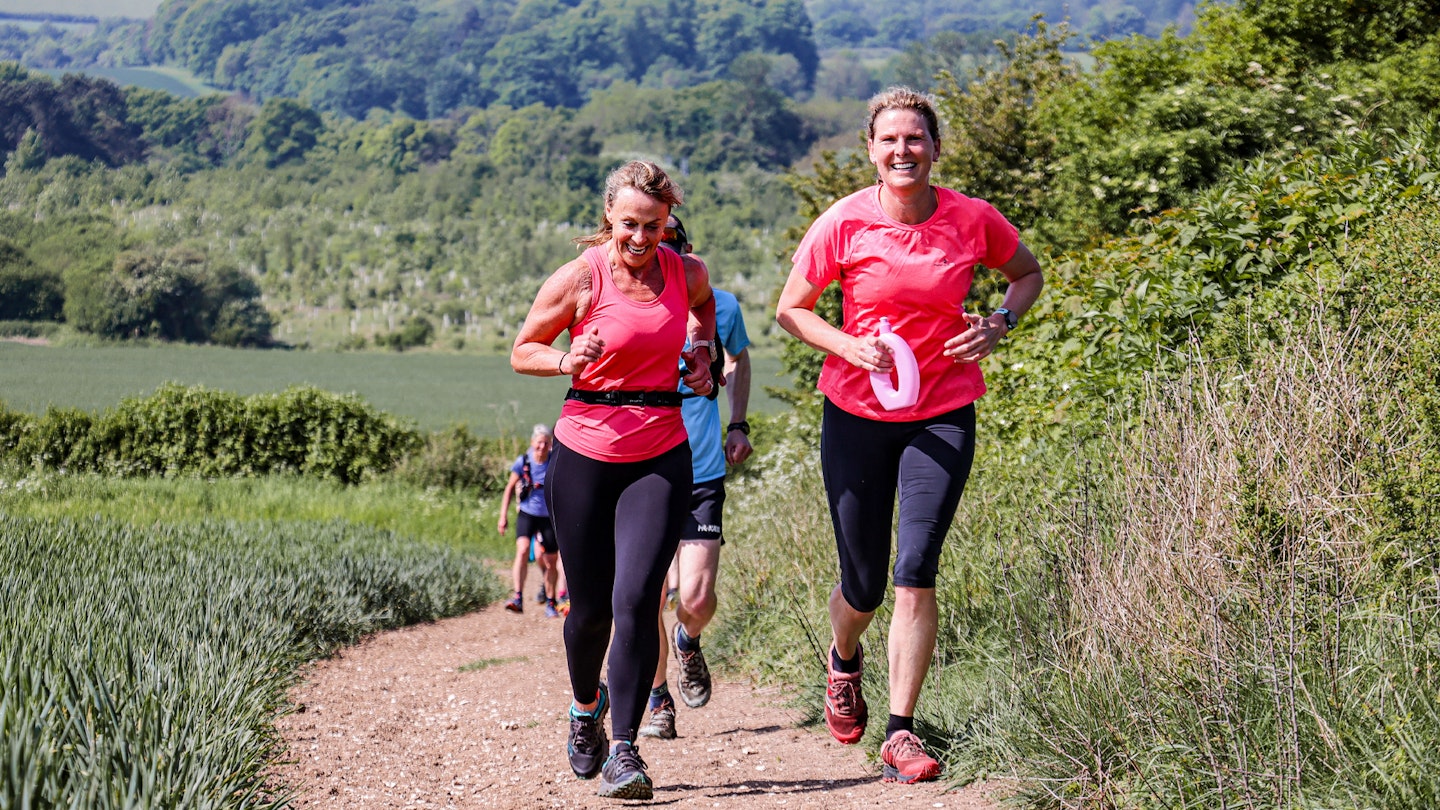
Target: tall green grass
[
  {"x": 1233, "y": 602},
  {"x": 144, "y": 665}
]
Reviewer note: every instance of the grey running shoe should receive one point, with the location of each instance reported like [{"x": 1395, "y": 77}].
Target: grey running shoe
[
  {"x": 694, "y": 674},
  {"x": 588, "y": 744},
  {"x": 662, "y": 722},
  {"x": 623, "y": 775}
]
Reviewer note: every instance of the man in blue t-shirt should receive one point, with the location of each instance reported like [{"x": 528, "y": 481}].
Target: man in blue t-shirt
[{"x": 697, "y": 560}]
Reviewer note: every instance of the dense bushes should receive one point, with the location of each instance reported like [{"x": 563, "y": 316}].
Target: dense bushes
[{"x": 197, "y": 431}]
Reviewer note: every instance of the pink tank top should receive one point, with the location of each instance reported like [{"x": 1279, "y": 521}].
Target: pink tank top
[{"x": 642, "y": 343}]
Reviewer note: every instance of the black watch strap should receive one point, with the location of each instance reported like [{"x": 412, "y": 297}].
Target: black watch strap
[
  {"x": 1011, "y": 319},
  {"x": 742, "y": 426}
]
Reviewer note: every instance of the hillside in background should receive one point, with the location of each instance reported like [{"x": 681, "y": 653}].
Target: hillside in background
[{"x": 427, "y": 59}]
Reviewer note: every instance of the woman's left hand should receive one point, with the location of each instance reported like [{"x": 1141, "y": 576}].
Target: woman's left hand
[
  {"x": 697, "y": 374},
  {"x": 977, "y": 342}
]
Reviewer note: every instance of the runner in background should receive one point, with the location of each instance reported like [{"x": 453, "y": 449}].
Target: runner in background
[
  {"x": 532, "y": 522},
  {"x": 697, "y": 561}
]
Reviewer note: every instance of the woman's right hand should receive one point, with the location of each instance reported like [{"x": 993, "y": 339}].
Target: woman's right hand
[
  {"x": 503, "y": 524},
  {"x": 585, "y": 350},
  {"x": 869, "y": 353}
]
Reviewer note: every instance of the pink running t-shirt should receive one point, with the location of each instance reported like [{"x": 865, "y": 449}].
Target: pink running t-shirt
[
  {"x": 915, "y": 275},
  {"x": 642, "y": 341}
]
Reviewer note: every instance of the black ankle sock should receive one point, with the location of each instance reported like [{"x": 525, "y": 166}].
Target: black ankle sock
[
  {"x": 898, "y": 723},
  {"x": 842, "y": 665},
  {"x": 684, "y": 641}
]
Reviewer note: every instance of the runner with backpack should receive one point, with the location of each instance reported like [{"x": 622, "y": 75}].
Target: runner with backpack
[{"x": 532, "y": 523}]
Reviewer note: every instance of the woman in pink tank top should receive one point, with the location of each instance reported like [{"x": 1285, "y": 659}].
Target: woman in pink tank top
[{"x": 618, "y": 485}]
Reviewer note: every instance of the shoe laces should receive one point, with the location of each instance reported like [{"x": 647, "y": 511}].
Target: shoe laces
[
  {"x": 844, "y": 694},
  {"x": 693, "y": 664},
  {"x": 905, "y": 745},
  {"x": 627, "y": 758},
  {"x": 585, "y": 733}
]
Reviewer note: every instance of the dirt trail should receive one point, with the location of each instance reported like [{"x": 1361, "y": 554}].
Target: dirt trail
[{"x": 470, "y": 712}]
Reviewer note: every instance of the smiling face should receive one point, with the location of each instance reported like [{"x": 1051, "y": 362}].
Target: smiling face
[
  {"x": 540, "y": 447},
  {"x": 637, "y": 223},
  {"x": 903, "y": 150}
]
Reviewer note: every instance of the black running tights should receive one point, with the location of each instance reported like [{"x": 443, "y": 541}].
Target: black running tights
[{"x": 618, "y": 524}]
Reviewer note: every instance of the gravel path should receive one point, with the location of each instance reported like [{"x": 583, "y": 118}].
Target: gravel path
[{"x": 470, "y": 712}]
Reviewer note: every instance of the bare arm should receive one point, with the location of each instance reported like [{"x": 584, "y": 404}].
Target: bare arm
[
  {"x": 985, "y": 332},
  {"x": 563, "y": 300},
  {"x": 737, "y": 387},
  {"x": 796, "y": 314},
  {"x": 505, "y": 501},
  {"x": 700, "y": 325}
]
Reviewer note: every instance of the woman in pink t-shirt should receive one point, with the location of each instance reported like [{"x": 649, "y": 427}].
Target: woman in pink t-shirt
[
  {"x": 903, "y": 251},
  {"x": 619, "y": 480}
]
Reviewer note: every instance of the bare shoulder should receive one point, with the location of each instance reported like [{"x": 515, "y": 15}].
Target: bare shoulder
[{"x": 697, "y": 275}]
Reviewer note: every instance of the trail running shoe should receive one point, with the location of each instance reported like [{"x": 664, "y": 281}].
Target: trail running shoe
[
  {"x": 563, "y": 606},
  {"x": 550, "y": 611},
  {"x": 623, "y": 775},
  {"x": 662, "y": 722},
  {"x": 694, "y": 674},
  {"x": 588, "y": 744},
  {"x": 845, "y": 710},
  {"x": 540, "y": 597},
  {"x": 516, "y": 605},
  {"x": 906, "y": 761}
]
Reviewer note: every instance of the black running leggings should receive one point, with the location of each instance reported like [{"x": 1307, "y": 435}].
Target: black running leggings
[
  {"x": 618, "y": 524},
  {"x": 864, "y": 462}
]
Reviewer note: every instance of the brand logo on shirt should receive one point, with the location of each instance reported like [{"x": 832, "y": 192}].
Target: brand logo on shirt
[{"x": 709, "y": 528}]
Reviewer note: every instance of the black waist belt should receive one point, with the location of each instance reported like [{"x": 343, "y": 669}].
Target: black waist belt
[{"x": 654, "y": 399}]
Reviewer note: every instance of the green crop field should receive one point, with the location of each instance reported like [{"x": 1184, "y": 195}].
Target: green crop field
[
  {"x": 433, "y": 390},
  {"x": 171, "y": 80},
  {"x": 83, "y": 8}
]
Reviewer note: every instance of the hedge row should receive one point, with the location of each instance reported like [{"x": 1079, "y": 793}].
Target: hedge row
[{"x": 193, "y": 430}]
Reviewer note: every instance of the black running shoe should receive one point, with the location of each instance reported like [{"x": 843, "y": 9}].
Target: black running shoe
[
  {"x": 588, "y": 744},
  {"x": 694, "y": 673},
  {"x": 624, "y": 777}
]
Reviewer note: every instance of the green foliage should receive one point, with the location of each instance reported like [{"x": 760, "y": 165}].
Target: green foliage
[
  {"x": 456, "y": 459},
  {"x": 77, "y": 116},
  {"x": 177, "y": 710},
  {"x": 176, "y": 294},
  {"x": 1141, "y": 304},
  {"x": 284, "y": 131},
  {"x": 198, "y": 431},
  {"x": 428, "y": 60},
  {"x": 27, "y": 293}
]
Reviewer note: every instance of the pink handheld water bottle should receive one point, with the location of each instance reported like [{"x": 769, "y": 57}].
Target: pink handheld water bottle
[{"x": 907, "y": 371}]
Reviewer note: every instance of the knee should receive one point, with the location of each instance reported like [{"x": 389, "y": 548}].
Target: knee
[{"x": 863, "y": 598}]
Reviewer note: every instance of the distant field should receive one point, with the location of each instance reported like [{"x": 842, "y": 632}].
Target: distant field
[
  {"x": 433, "y": 390},
  {"x": 89, "y": 8},
  {"x": 173, "y": 81}
]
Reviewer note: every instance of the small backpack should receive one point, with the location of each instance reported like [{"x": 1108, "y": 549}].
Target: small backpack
[{"x": 527, "y": 483}]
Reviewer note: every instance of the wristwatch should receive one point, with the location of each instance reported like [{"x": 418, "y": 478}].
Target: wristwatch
[
  {"x": 708, "y": 344},
  {"x": 742, "y": 426},
  {"x": 1011, "y": 319}
]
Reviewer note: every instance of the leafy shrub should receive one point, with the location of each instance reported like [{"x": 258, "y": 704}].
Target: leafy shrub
[
  {"x": 198, "y": 431},
  {"x": 456, "y": 459}
]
